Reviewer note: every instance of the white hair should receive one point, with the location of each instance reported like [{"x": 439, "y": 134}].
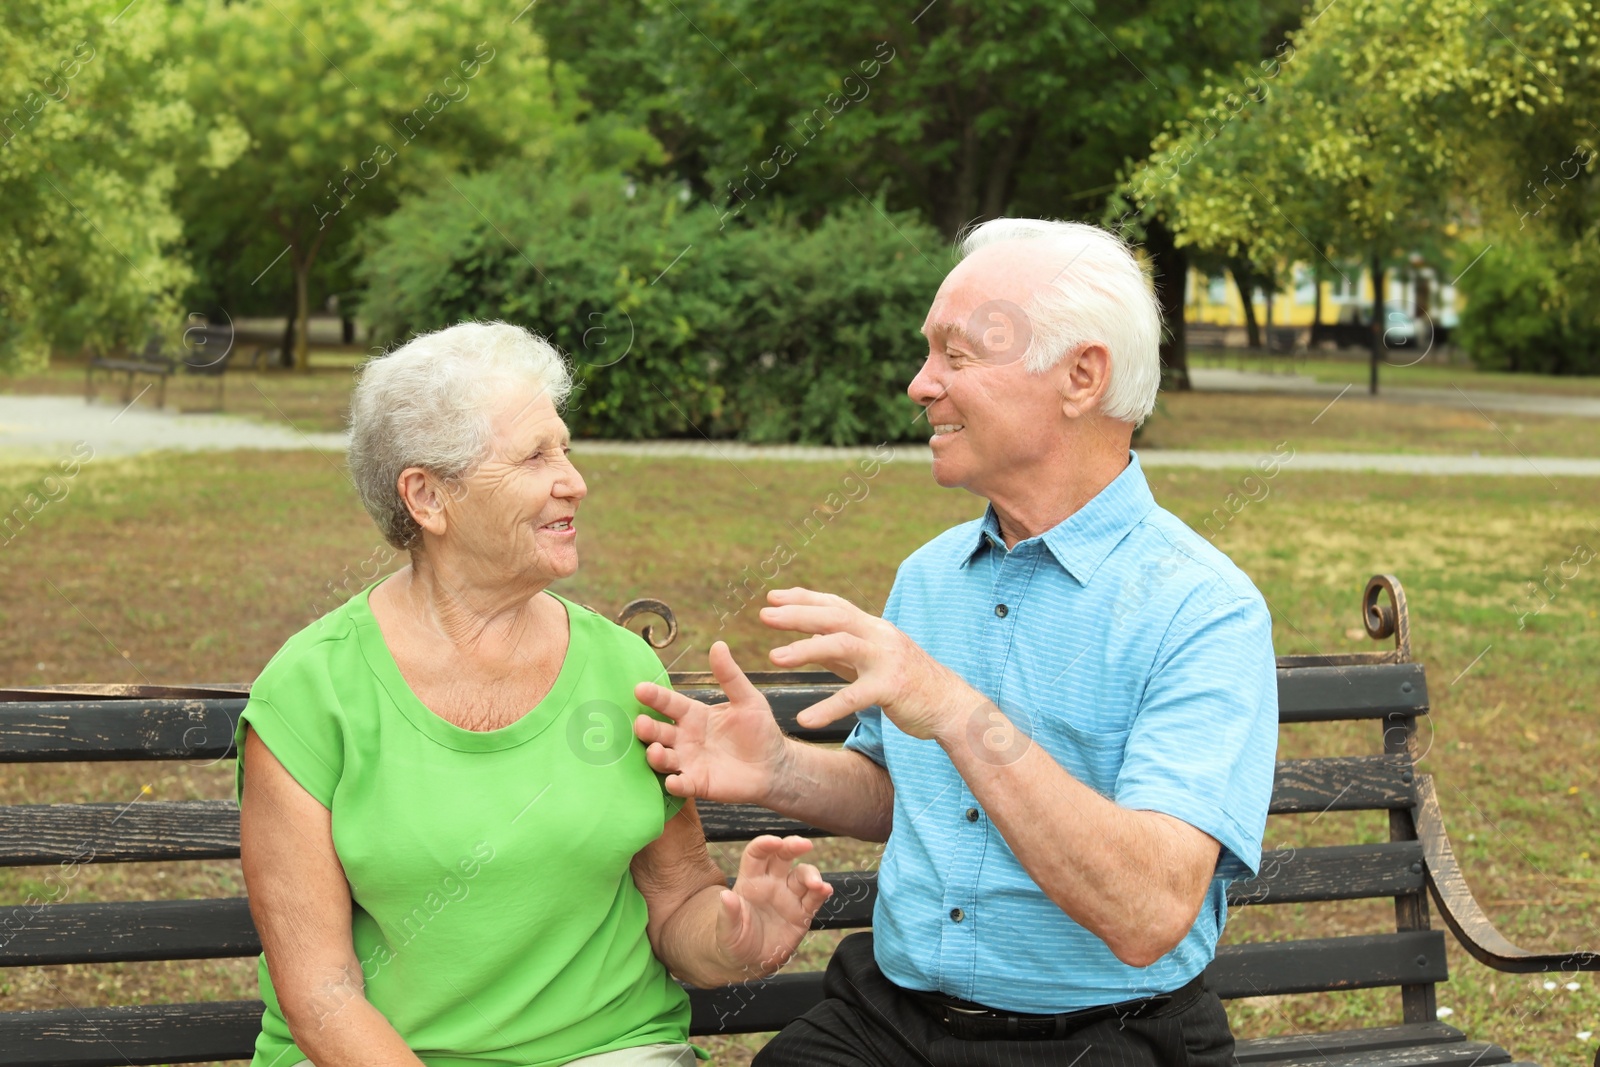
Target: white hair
[
  {"x": 427, "y": 404},
  {"x": 1103, "y": 295}
]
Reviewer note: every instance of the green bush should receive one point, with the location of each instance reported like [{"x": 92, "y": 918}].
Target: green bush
[
  {"x": 1530, "y": 307},
  {"x": 677, "y": 324}
]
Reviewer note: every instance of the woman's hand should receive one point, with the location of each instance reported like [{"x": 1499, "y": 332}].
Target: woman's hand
[
  {"x": 734, "y": 752},
  {"x": 769, "y": 909}
]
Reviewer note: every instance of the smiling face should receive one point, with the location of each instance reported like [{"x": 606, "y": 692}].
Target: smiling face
[
  {"x": 992, "y": 420},
  {"x": 512, "y": 520}
]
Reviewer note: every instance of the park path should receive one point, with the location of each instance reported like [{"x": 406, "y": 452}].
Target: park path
[
  {"x": 47, "y": 427},
  {"x": 1228, "y": 380}
]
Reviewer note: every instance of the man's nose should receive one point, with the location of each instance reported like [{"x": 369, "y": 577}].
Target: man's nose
[{"x": 925, "y": 387}]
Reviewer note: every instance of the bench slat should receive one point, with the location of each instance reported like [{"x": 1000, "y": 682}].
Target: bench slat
[
  {"x": 32, "y": 834},
  {"x": 1315, "y": 965},
  {"x": 211, "y": 929},
  {"x": 147, "y": 1033},
  {"x": 102, "y": 1037},
  {"x": 1343, "y": 783},
  {"x": 158, "y": 729},
  {"x": 1465, "y": 1054},
  {"x": 1336, "y": 872},
  {"x": 1274, "y": 1050},
  {"x": 205, "y": 929},
  {"x": 53, "y": 732},
  {"x": 126, "y": 930},
  {"x": 1368, "y": 691}
]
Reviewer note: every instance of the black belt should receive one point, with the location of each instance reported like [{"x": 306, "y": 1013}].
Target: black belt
[{"x": 975, "y": 1022}]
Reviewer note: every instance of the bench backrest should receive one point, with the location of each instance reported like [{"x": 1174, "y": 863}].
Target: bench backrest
[{"x": 196, "y": 723}]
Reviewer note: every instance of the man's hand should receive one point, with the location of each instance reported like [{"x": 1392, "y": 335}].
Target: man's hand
[
  {"x": 883, "y": 666},
  {"x": 734, "y": 752},
  {"x": 769, "y": 909}
]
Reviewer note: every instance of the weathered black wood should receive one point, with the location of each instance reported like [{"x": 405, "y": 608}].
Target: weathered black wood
[
  {"x": 40, "y": 933},
  {"x": 144, "y": 728},
  {"x": 741, "y": 822},
  {"x": 1367, "y": 691},
  {"x": 53, "y": 732},
  {"x": 754, "y": 1007},
  {"x": 149, "y": 1033},
  {"x": 1273, "y": 1050},
  {"x": 1343, "y": 783},
  {"x": 118, "y": 833},
  {"x": 1462, "y": 1054},
  {"x": 1316, "y": 965},
  {"x": 788, "y": 701},
  {"x": 1337, "y": 872},
  {"x": 209, "y": 829}
]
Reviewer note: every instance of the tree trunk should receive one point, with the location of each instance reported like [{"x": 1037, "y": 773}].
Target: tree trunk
[
  {"x": 1316, "y": 300},
  {"x": 302, "y": 317},
  {"x": 1378, "y": 320},
  {"x": 1172, "y": 281},
  {"x": 286, "y": 349},
  {"x": 1244, "y": 281}
]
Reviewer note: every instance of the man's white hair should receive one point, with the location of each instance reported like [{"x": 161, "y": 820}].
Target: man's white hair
[
  {"x": 1103, "y": 294},
  {"x": 427, "y": 404}
]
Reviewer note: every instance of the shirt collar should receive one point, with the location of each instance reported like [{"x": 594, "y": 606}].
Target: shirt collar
[{"x": 1082, "y": 541}]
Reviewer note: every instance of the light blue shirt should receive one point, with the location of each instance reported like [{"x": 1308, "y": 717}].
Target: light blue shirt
[{"x": 1141, "y": 659}]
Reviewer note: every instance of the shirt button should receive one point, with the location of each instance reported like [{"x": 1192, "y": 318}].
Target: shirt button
[
  {"x": 972, "y": 814},
  {"x": 956, "y": 915},
  {"x": 1000, "y": 610}
]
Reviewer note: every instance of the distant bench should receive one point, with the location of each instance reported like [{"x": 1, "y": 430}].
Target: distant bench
[{"x": 196, "y": 723}]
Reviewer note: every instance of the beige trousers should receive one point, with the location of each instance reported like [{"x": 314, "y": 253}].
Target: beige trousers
[{"x": 644, "y": 1056}]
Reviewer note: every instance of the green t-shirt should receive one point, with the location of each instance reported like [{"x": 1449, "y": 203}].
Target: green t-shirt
[{"x": 495, "y": 918}]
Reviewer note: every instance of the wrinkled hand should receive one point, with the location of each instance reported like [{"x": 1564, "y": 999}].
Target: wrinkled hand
[
  {"x": 733, "y": 752},
  {"x": 769, "y": 909},
  {"x": 883, "y": 666}
]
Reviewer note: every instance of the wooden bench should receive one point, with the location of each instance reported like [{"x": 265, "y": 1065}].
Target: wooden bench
[
  {"x": 1385, "y": 689},
  {"x": 151, "y": 361}
]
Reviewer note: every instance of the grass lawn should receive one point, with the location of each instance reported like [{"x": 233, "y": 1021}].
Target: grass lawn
[
  {"x": 197, "y": 567},
  {"x": 1352, "y": 367},
  {"x": 1356, "y": 423}
]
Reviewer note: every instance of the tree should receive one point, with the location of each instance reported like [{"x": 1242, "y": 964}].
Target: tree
[
  {"x": 1387, "y": 127},
  {"x": 960, "y": 110},
  {"x": 91, "y": 117},
  {"x": 342, "y": 112}
]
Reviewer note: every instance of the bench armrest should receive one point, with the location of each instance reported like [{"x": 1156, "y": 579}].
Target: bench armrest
[{"x": 1460, "y": 909}]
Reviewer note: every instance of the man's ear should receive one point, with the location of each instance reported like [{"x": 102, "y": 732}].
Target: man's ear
[
  {"x": 1085, "y": 376},
  {"x": 424, "y": 498}
]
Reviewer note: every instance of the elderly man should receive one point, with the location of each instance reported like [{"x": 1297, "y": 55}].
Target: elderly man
[{"x": 1067, "y": 717}]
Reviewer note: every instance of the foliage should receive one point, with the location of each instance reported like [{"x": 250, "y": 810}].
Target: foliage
[
  {"x": 91, "y": 118},
  {"x": 678, "y": 325},
  {"x": 1530, "y": 307},
  {"x": 342, "y": 111},
  {"x": 957, "y": 110}
]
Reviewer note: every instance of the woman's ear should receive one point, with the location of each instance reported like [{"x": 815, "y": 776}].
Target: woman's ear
[
  {"x": 424, "y": 499},
  {"x": 1085, "y": 376}
]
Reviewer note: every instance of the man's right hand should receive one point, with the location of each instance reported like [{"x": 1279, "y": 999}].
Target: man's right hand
[{"x": 733, "y": 753}]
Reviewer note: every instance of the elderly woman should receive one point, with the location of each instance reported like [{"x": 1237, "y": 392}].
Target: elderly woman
[{"x": 456, "y": 851}]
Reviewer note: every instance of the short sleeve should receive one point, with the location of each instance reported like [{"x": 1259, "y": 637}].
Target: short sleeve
[
  {"x": 1204, "y": 742},
  {"x": 304, "y": 737},
  {"x": 867, "y": 737}
]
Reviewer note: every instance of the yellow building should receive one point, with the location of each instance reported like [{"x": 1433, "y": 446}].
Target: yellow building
[{"x": 1215, "y": 301}]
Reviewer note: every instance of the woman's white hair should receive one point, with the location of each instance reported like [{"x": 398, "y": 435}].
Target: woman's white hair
[
  {"x": 1103, "y": 294},
  {"x": 427, "y": 404}
]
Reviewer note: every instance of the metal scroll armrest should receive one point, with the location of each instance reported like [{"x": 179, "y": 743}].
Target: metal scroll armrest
[{"x": 1460, "y": 908}]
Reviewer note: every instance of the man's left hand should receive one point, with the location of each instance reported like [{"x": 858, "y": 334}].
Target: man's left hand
[{"x": 921, "y": 696}]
